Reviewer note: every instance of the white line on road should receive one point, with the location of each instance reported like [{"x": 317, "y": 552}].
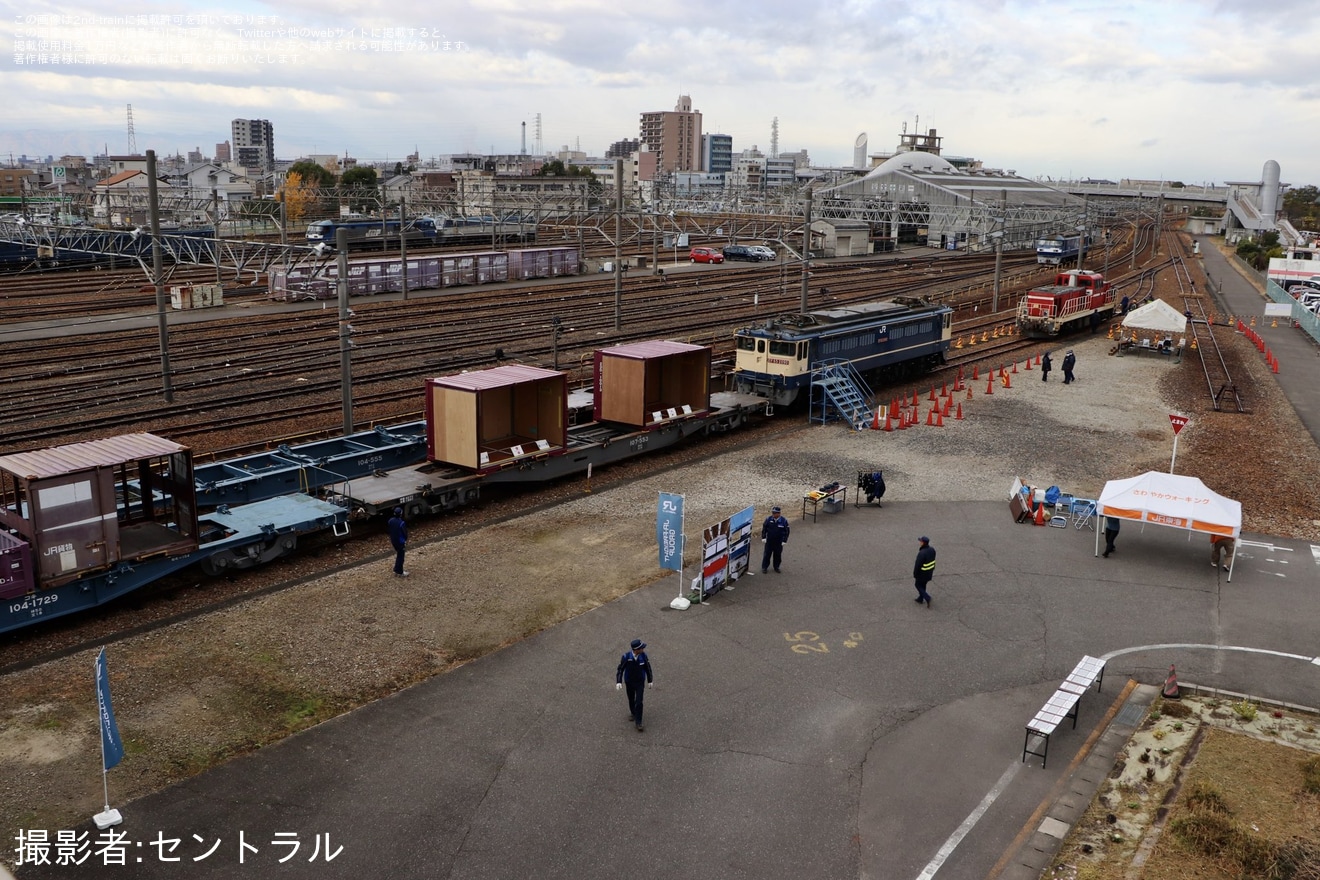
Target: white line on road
[{"x": 970, "y": 822}]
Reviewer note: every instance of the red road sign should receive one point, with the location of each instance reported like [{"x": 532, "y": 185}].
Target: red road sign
[{"x": 1178, "y": 422}]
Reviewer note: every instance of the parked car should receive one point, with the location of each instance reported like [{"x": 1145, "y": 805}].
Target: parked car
[
  {"x": 742, "y": 252},
  {"x": 705, "y": 255},
  {"x": 767, "y": 253}
]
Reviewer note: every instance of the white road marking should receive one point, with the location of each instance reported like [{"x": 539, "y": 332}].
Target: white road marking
[
  {"x": 970, "y": 822},
  {"x": 1315, "y": 553},
  {"x": 1185, "y": 645}
]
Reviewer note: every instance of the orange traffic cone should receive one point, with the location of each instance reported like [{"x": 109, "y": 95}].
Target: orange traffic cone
[
  {"x": 932, "y": 393},
  {"x": 948, "y": 404},
  {"x": 1028, "y": 363},
  {"x": 969, "y": 392},
  {"x": 990, "y": 385},
  {"x": 914, "y": 399},
  {"x": 944, "y": 390},
  {"x": 875, "y": 421},
  {"x": 889, "y": 420},
  {"x": 1040, "y": 515},
  {"x": 930, "y": 417},
  {"x": 939, "y": 419},
  {"x": 1276, "y": 365},
  {"x": 902, "y": 420},
  {"x": 959, "y": 415},
  {"x": 1014, "y": 366},
  {"x": 1008, "y": 380},
  {"x": 976, "y": 370},
  {"x": 1038, "y": 360},
  {"x": 1171, "y": 690}
]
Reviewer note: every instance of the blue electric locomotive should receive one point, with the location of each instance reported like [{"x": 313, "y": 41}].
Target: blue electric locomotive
[
  {"x": 1059, "y": 250},
  {"x": 892, "y": 337},
  {"x": 373, "y": 233}
]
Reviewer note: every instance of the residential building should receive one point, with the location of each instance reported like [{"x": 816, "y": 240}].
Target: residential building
[
  {"x": 13, "y": 181},
  {"x": 717, "y": 153},
  {"x": 674, "y": 136},
  {"x": 223, "y": 153},
  {"x": 254, "y": 143},
  {"x": 780, "y": 171},
  {"x": 122, "y": 199},
  {"x": 623, "y": 149},
  {"x": 196, "y": 183}
]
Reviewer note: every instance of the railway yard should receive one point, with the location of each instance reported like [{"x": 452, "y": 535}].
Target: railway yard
[{"x": 210, "y": 668}]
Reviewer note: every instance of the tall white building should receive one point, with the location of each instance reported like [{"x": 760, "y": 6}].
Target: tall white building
[{"x": 254, "y": 143}]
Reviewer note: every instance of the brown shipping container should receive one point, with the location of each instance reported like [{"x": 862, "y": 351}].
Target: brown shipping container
[
  {"x": 487, "y": 419},
  {"x": 66, "y": 503},
  {"x": 635, "y": 382}
]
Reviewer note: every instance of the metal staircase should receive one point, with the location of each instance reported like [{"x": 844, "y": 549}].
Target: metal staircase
[{"x": 839, "y": 392}]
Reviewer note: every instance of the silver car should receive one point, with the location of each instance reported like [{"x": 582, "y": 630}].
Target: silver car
[{"x": 766, "y": 253}]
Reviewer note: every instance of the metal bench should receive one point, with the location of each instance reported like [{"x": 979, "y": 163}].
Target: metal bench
[{"x": 1061, "y": 706}]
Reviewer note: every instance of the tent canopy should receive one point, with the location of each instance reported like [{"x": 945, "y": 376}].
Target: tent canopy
[
  {"x": 1171, "y": 500},
  {"x": 1156, "y": 315}
]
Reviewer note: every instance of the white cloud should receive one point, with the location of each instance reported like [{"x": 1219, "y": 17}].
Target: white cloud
[{"x": 1190, "y": 88}]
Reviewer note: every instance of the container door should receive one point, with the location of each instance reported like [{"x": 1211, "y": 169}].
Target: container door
[{"x": 76, "y": 522}]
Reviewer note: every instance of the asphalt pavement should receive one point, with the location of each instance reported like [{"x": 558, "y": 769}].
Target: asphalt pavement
[{"x": 814, "y": 723}]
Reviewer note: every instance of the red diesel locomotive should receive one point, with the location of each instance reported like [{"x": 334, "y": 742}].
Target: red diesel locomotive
[{"x": 1075, "y": 299}]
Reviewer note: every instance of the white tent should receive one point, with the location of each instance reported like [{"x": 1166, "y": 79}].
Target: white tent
[
  {"x": 1171, "y": 500},
  {"x": 1158, "y": 316}
]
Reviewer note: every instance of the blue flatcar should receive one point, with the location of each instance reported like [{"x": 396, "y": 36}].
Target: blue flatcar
[
  {"x": 380, "y": 234},
  {"x": 890, "y": 338}
]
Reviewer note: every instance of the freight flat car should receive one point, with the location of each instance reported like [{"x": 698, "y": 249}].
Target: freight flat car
[
  {"x": 891, "y": 338},
  {"x": 88, "y": 522},
  {"x": 1075, "y": 300}
]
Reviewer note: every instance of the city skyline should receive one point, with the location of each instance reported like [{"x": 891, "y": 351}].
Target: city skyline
[{"x": 1190, "y": 91}]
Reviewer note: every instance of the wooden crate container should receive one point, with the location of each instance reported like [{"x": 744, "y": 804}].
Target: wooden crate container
[
  {"x": 488, "y": 419},
  {"x": 650, "y": 382}
]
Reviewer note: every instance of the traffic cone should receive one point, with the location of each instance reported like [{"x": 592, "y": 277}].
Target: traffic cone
[
  {"x": 1038, "y": 360},
  {"x": 939, "y": 419},
  {"x": 948, "y": 404},
  {"x": 985, "y": 335},
  {"x": 914, "y": 399},
  {"x": 1253, "y": 320},
  {"x": 969, "y": 392},
  {"x": 932, "y": 393},
  {"x": 944, "y": 390},
  {"x": 976, "y": 373},
  {"x": 930, "y": 417},
  {"x": 1171, "y": 690},
  {"x": 1008, "y": 380},
  {"x": 1274, "y": 323},
  {"x": 995, "y": 335},
  {"x": 1029, "y": 358},
  {"x": 875, "y": 421},
  {"x": 902, "y": 420},
  {"x": 959, "y": 415},
  {"x": 1276, "y": 365},
  {"x": 1040, "y": 515},
  {"x": 990, "y": 385},
  {"x": 889, "y": 421},
  {"x": 960, "y": 376},
  {"x": 1014, "y": 366}
]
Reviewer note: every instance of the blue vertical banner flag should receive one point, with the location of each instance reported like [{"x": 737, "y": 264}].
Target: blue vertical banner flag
[
  {"x": 112, "y": 747},
  {"x": 669, "y": 530}
]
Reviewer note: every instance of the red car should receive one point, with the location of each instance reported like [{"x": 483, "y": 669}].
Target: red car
[{"x": 705, "y": 255}]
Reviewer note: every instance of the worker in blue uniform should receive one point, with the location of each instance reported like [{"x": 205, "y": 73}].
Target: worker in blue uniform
[
  {"x": 398, "y": 529},
  {"x": 924, "y": 569},
  {"x": 634, "y": 673},
  {"x": 774, "y": 532}
]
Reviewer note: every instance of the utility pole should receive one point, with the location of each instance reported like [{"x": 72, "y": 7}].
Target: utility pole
[
  {"x": 806, "y": 252},
  {"x": 345, "y": 332},
  {"x": 403, "y": 252},
  {"x": 215, "y": 213},
  {"x": 618, "y": 244},
  {"x": 999, "y": 247},
  {"x": 162, "y": 321}
]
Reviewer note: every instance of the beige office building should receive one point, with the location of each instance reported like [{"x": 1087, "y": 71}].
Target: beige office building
[{"x": 674, "y": 137}]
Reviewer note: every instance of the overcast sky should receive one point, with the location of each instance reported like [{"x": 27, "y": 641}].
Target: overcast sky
[{"x": 1173, "y": 90}]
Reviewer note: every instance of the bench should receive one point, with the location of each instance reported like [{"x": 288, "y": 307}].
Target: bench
[{"x": 1062, "y": 705}]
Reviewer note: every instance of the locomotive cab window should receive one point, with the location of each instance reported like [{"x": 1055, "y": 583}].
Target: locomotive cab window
[
  {"x": 783, "y": 349},
  {"x": 746, "y": 343}
]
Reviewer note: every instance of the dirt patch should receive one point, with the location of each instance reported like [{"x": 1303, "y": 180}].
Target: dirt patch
[{"x": 1204, "y": 788}]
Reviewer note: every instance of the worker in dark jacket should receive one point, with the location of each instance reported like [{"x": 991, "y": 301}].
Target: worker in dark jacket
[
  {"x": 1069, "y": 361},
  {"x": 634, "y": 673},
  {"x": 924, "y": 569},
  {"x": 774, "y": 531},
  {"x": 398, "y": 529},
  {"x": 1045, "y": 365}
]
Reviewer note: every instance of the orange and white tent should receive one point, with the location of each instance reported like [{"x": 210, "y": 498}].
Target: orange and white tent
[{"x": 1170, "y": 500}]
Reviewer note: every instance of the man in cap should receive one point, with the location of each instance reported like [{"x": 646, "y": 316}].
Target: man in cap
[
  {"x": 1069, "y": 361},
  {"x": 774, "y": 532},
  {"x": 398, "y": 529},
  {"x": 924, "y": 569},
  {"x": 634, "y": 673}
]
